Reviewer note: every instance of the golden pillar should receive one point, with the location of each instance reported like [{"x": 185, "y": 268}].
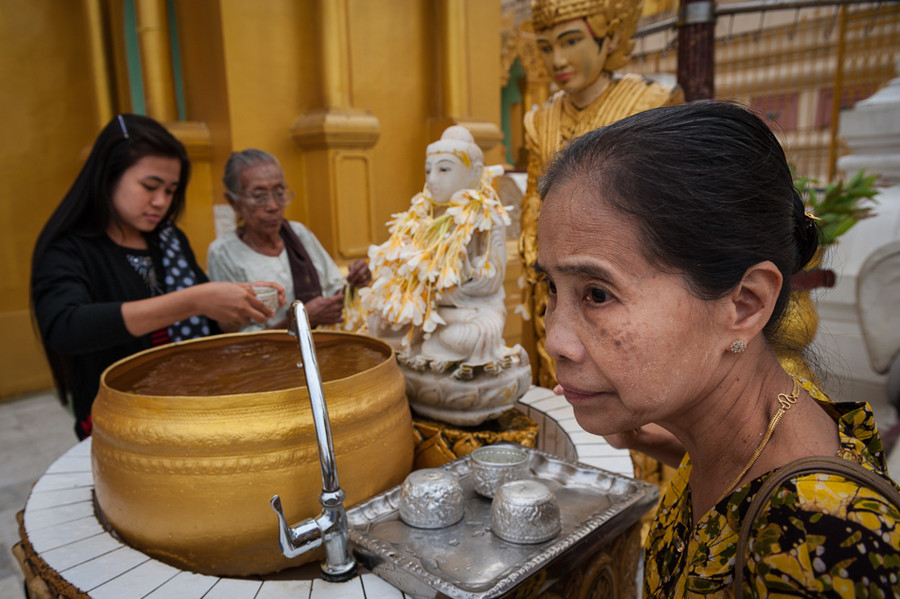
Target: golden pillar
[
  {"x": 161, "y": 103},
  {"x": 337, "y": 141},
  {"x": 102, "y": 86},
  {"x": 456, "y": 77},
  {"x": 156, "y": 59}
]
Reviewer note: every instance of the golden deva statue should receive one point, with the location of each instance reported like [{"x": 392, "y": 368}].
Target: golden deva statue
[{"x": 582, "y": 43}]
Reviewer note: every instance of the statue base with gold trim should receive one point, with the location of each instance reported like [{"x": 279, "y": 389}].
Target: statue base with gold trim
[{"x": 470, "y": 395}]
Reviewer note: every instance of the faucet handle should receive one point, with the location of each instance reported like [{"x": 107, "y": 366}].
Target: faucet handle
[
  {"x": 275, "y": 502},
  {"x": 284, "y": 531},
  {"x": 296, "y": 541}
]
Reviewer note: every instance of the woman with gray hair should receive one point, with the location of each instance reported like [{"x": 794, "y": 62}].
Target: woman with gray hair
[{"x": 266, "y": 246}]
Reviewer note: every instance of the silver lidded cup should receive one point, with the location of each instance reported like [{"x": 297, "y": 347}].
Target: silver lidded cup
[
  {"x": 494, "y": 465},
  {"x": 525, "y": 511},
  {"x": 431, "y": 498}
]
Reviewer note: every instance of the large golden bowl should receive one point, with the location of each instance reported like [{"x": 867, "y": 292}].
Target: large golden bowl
[{"x": 191, "y": 440}]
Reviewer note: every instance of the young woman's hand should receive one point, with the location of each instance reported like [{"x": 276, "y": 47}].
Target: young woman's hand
[
  {"x": 232, "y": 305},
  {"x": 235, "y": 305},
  {"x": 275, "y": 286}
]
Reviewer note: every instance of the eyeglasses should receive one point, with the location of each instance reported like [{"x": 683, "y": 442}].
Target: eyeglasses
[{"x": 260, "y": 197}]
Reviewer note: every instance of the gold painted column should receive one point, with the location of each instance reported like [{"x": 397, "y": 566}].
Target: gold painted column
[
  {"x": 456, "y": 77},
  {"x": 156, "y": 59},
  {"x": 160, "y": 101},
  {"x": 102, "y": 85},
  {"x": 337, "y": 142}
]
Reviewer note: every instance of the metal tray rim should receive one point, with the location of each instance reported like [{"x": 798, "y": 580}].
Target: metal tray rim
[{"x": 646, "y": 493}]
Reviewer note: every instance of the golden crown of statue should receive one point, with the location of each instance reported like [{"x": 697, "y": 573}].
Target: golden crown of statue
[{"x": 604, "y": 17}]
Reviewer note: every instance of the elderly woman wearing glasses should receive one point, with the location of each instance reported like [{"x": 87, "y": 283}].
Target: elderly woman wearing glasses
[{"x": 266, "y": 246}]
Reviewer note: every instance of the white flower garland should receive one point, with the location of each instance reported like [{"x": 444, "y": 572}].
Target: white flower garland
[{"x": 424, "y": 256}]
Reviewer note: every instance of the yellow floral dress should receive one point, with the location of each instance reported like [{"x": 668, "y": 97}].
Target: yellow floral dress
[{"x": 823, "y": 536}]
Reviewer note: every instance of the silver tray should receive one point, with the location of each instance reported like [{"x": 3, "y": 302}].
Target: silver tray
[{"x": 466, "y": 561}]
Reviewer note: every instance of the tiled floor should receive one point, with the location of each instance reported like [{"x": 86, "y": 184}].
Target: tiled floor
[{"x": 35, "y": 430}]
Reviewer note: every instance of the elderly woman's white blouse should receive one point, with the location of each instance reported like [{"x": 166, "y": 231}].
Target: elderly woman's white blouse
[{"x": 230, "y": 259}]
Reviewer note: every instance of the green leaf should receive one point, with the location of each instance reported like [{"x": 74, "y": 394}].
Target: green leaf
[{"x": 841, "y": 204}]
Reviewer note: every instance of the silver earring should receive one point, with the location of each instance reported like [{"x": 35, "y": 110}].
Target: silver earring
[{"x": 738, "y": 346}]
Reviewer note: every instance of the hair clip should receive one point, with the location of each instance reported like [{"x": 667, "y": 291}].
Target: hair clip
[
  {"x": 122, "y": 125},
  {"x": 811, "y": 216}
]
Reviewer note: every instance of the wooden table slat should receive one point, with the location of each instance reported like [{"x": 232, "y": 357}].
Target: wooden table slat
[
  {"x": 376, "y": 588},
  {"x": 36, "y": 519},
  {"x": 352, "y": 589},
  {"x": 234, "y": 588},
  {"x": 285, "y": 589},
  {"x": 63, "y": 480},
  {"x": 53, "y": 537},
  {"x": 91, "y": 574},
  {"x": 53, "y": 498},
  {"x": 70, "y": 462},
  {"x": 186, "y": 585},
  {"x": 79, "y": 552},
  {"x": 138, "y": 582}
]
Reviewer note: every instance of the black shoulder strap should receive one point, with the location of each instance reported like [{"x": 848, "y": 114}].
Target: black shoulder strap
[{"x": 803, "y": 466}]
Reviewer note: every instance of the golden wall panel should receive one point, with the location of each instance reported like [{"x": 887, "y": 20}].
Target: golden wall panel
[
  {"x": 393, "y": 77},
  {"x": 47, "y": 119},
  {"x": 353, "y": 183}
]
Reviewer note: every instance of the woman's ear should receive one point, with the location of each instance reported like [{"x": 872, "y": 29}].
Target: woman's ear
[
  {"x": 751, "y": 303},
  {"x": 232, "y": 200}
]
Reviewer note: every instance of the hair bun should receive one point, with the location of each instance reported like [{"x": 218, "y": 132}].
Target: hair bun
[{"x": 807, "y": 234}]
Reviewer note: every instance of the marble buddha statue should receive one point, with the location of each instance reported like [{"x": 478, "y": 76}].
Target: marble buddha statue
[
  {"x": 437, "y": 290},
  {"x": 582, "y": 42}
]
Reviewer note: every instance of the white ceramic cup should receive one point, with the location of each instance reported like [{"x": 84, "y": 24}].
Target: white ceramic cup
[{"x": 268, "y": 296}]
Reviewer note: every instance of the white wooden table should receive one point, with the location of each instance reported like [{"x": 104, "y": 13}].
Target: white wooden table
[{"x": 63, "y": 530}]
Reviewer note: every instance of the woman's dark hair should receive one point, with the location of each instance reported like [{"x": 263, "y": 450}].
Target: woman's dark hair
[
  {"x": 87, "y": 206},
  {"x": 709, "y": 187}
]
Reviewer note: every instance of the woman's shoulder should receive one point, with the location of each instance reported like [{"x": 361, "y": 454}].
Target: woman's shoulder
[
  {"x": 77, "y": 246},
  {"x": 309, "y": 240},
  {"x": 299, "y": 228},
  {"x": 845, "y": 531},
  {"x": 224, "y": 243}
]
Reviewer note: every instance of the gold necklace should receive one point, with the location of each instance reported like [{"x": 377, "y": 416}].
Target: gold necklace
[{"x": 785, "y": 402}]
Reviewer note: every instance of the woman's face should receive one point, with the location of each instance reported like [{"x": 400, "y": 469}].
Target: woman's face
[
  {"x": 571, "y": 54},
  {"x": 142, "y": 197},
  {"x": 632, "y": 345},
  {"x": 263, "y": 219},
  {"x": 445, "y": 174}
]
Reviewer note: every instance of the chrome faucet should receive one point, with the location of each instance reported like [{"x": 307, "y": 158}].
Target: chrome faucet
[{"x": 330, "y": 528}]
